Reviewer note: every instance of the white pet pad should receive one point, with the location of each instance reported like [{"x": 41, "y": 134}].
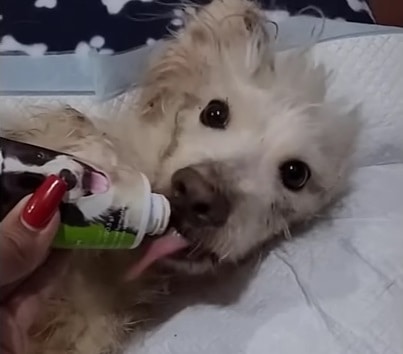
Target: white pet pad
[{"x": 338, "y": 289}]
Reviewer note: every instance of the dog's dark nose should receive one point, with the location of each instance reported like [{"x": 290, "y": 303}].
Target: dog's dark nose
[
  {"x": 197, "y": 200},
  {"x": 69, "y": 178}
]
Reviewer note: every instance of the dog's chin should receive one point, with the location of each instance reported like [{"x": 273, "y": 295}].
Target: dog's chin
[
  {"x": 195, "y": 259},
  {"x": 203, "y": 265}
]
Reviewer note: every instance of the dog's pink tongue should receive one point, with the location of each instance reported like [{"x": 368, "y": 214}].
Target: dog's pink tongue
[
  {"x": 160, "y": 248},
  {"x": 99, "y": 183}
]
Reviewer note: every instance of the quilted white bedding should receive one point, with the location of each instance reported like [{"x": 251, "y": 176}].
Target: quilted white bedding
[{"x": 338, "y": 289}]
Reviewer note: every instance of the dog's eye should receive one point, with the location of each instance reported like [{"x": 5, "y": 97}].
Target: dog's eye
[
  {"x": 294, "y": 174},
  {"x": 215, "y": 114}
]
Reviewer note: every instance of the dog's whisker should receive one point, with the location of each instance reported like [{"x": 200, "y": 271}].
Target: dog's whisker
[
  {"x": 224, "y": 256},
  {"x": 286, "y": 232},
  {"x": 71, "y": 133},
  {"x": 194, "y": 249}
]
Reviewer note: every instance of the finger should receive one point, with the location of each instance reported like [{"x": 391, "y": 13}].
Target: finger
[
  {"x": 7, "y": 290},
  {"x": 44, "y": 203},
  {"x": 28, "y": 230},
  {"x": 12, "y": 339},
  {"x": 21, "y": 253},
  {"x": 29, "y": 296}
]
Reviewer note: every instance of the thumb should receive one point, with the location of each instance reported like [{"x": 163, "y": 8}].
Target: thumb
[{"x": 26, "y": 233}]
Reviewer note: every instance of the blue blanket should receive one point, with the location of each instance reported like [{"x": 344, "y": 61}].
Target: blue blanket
[{"x": 39, "y": 27}]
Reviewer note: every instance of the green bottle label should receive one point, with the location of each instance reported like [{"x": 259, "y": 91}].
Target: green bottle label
[{"x": 93, "y": 237}]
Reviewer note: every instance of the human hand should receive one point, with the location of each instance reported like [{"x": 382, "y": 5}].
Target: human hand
[{"x": 27, "y": 267}]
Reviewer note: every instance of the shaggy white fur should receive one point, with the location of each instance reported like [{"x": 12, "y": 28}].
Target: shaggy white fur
[{"x": 256, "y": 126}]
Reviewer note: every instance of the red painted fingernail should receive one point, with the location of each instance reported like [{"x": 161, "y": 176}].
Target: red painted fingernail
[{"x": 44, "y": 203}]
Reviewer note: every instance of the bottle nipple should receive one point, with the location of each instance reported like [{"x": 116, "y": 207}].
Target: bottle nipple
[{"x": 160, "y": 213}]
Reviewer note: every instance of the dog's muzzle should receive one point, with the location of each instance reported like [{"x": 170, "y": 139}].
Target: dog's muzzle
[{"x": 196, "y": 199}]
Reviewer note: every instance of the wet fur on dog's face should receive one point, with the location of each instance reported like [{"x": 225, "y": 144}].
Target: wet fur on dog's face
[{"x": 254, "y": 127}]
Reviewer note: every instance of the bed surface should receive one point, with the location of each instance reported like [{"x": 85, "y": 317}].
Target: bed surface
[{"x": 339, "y": 287}]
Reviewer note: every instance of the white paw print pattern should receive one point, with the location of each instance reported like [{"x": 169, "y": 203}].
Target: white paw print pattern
[
  {"x": 178, "y": 19},
  {"x": 49, "y": 4},
  {"x": 82, "y": 49},
  {"x": 150, "y": 41},
  {"x": 9, "y": 44},
  {"x": 96, "y": 42},
  {"x": 115, "y": 6}
]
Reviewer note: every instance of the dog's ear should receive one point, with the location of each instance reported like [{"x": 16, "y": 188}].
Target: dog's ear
[
  {"x": 240, "y": 32},
  {"x": 169, "y": 82},
  {"x": 225, "y": 35}
]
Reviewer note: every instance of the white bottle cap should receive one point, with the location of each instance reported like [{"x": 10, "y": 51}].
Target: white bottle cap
[{"x": 160, "y": 212}]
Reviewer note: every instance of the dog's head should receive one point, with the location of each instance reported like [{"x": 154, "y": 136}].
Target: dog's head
[
  {"x": 25, "y": 167},
  {"x": 255, "y": 148}
]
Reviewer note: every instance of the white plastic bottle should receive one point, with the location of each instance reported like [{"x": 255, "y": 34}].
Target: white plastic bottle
[
  {"x": 155, "y": 213},
  {"x": 97, "y": 212},
  {"x": 137, "y": 212}
]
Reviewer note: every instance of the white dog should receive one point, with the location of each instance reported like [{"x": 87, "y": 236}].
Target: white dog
[{"x": 242, "y": 141}]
